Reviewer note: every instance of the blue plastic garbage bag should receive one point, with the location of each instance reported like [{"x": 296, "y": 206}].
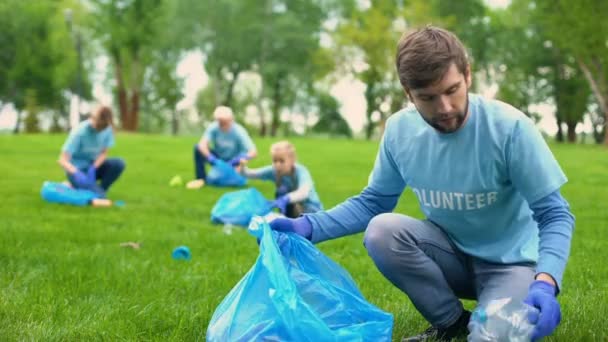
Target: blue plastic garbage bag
[
  {"x": 295, "y": 293},
  {"x": 223, "y": 174},
  {"x": 62, "y": 193},
  {"x": 238, "y": 207}
]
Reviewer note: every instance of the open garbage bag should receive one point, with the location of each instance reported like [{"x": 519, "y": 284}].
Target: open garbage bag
[
  {"x": 223, "y": 174},
  {"x": 62, "y": 193},
  {"x": 295, "y": 293},
  {"x": 238, "y": 207}
]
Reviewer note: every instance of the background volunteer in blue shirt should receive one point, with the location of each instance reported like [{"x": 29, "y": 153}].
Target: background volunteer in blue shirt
[
  {"x": 496, "y": 224},
  {"x": 224, "y": 139},
  {"x": 295, "y": 190},
  {"x": 84, "y": 155}
]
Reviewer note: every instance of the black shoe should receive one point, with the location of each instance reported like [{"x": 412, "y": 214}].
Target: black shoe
[{"x": 456, "y": 330}]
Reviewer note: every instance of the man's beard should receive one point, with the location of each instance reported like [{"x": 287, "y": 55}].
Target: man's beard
[{"x": 460, "y": 118}]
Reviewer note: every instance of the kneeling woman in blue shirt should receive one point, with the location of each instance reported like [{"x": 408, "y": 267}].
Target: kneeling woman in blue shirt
[{"x": 84, "y": 154}]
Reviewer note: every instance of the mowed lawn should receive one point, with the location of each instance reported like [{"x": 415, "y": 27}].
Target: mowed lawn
[{"x": 63, "y": 275}]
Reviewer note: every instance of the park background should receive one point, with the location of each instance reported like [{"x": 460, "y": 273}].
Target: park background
[{"x": 320, "y": 73}]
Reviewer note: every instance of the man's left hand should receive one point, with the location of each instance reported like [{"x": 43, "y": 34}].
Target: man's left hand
[{"x": 541, "y": 295}]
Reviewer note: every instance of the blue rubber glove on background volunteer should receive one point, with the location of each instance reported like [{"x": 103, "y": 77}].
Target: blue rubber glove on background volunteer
[
  {"x": 80, "y": 179},
  {"x": 237, "y": 160},
  {"x": 211, "y": 158},
  {"x": 92, "y": 174}
]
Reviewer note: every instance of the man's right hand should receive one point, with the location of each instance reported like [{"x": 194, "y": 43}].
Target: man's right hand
[
  {"x": 80, "y": 178},
  {"x": 300, "y": 226},
  {"x": 211, "y": 158}
]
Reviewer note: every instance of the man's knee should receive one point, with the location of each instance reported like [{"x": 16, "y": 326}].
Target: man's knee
[{"x": 383, "y": 230}]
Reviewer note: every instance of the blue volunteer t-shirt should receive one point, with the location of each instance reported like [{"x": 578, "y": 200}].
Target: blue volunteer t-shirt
[
  {"x": 227, "y": 145},
  {"x": 302, "y": 177},
  {"x": 475, "y": 183},
  {"x": 84, "y": 144}
]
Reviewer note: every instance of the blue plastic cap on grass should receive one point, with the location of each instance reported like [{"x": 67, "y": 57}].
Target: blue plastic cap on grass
[
  {"x": 119, "y": 203},
  {"x": 181, "y": 253}
]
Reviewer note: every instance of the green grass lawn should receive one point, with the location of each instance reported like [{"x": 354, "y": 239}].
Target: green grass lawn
[{"x": 63, "y": 275}]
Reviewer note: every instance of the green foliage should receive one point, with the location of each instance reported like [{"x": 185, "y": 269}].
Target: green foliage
[
  {"x": 129, "y": 31},
  {"x": 533, "y": 70},
  {"x": 370, "y": 35},
  {"x": 37, "y": 53},
  {"x": 65, "y": 277},
  {"x": 585, "y": 40},
  {"x": 229, "y": 33},
  {"x": 330, "y": 121}
]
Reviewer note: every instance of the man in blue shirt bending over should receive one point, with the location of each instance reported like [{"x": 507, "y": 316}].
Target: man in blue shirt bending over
[
  {"x": 224, "y": 139},
  {"x": 496, "y": 224}
]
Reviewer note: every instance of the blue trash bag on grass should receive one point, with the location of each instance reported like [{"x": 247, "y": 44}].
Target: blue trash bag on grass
[
  {"x": 238, "y": 207},
  {"x": 295, "y": 293},
  {"x": 61, "y": 193},
  {"x": 223, "y": 174}
]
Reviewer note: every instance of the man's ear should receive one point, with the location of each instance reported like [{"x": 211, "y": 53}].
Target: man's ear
[{"x": 408, "y": 94}]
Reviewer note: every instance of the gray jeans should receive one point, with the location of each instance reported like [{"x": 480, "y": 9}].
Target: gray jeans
[{"x": 418, "y": 258}]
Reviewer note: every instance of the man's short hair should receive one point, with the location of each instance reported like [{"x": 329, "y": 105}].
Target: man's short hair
[
  {"x": 223, "y": 113},
  {"x": 425, "y": 55}
]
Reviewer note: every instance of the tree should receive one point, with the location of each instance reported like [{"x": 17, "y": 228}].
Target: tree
[
  {"x": 45, "y": 66},
  {"x": 571, "y": 94},
  {"x": 584, "y": 38},
  {"x": 229, "y": 33},
  {"x": 162, "y": 82},
  {"x": 532, "y": 70},
  {"x": 370, "y": 35},
  {"x": 31, "y": 107},
  {"x": 330, "y": 121},
  {"x": 288, "y": 59},
  {"x": 128, "y": 30}
]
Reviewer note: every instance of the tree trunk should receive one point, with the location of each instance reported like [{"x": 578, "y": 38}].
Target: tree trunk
[
  {"x": 134, "y": 112},
  {"x": 229, "y": 92},
  {"x": 287, "y": 125},
  {"x": 276, "y": 107},
  {"x": 559, "y": 137},
  {"x": 174, "y": 122},
  {"x": 599, "y": 87},
  {"x": 17, "y": 122},
  {"x": 369, "y": 98},
  {"x": 264, "y": 47},
  {"x": 120, "y": 89},
  {"x": 263, "y": 126},
  {"x": 571, "y": 131}
]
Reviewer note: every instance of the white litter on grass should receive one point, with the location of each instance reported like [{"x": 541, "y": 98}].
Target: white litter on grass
[{"x": 227, "y": 229}]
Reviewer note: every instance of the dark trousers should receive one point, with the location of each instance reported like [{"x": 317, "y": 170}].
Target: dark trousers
[{"x": 107, "y": 174}]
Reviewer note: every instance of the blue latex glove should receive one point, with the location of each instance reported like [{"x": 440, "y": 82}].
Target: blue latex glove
[
  {"x": 80, "y": 179},
  {"x": 237, "y": 160},
  {"x": 92, "y": 174},
  {"x": 281, "y": 203},
  {"x": 541, "y": 295},
  {"x": 300, "y": 226},
  {"x": 211, "y": 158}
]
